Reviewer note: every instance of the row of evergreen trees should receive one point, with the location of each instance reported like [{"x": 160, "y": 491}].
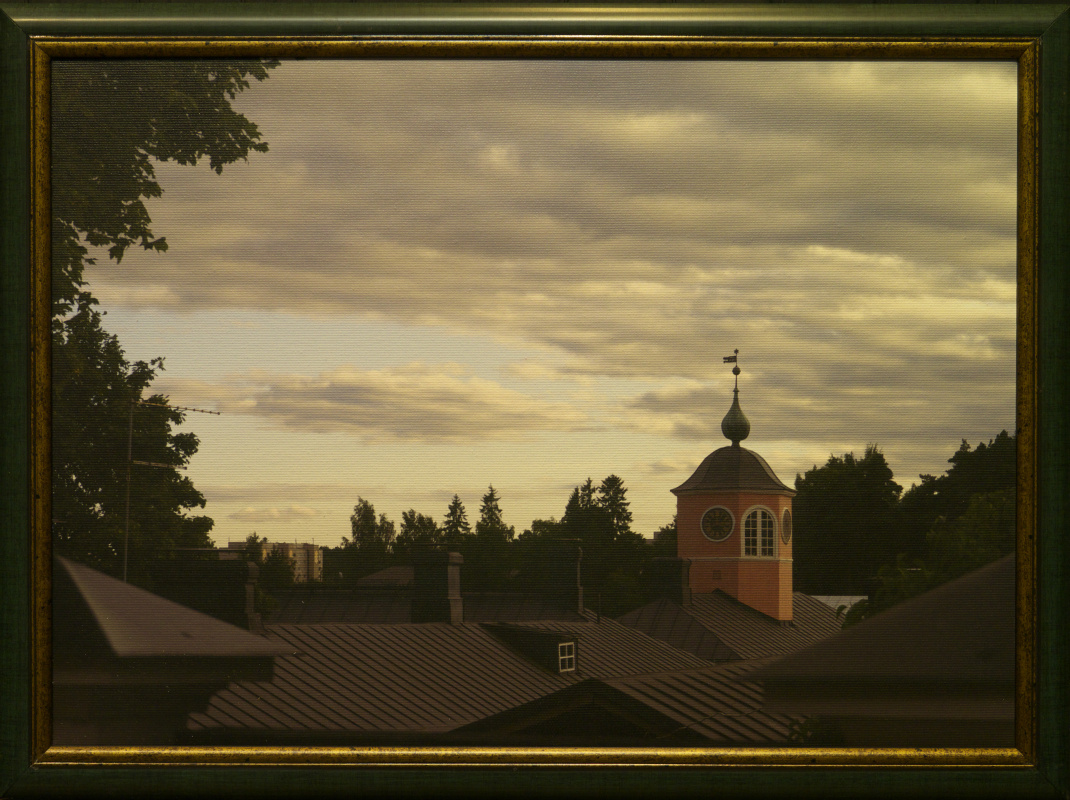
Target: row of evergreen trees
[{"x": 596, "y": 520}]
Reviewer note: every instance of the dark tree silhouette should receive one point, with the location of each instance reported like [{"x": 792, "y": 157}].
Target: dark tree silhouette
[
  {"x": 99, "y": 425},
  {"x": 489, "y": 557},
  {"x": 612, "y": 497},
  {"x": 846, "y": 523},
  {"x": 987, "y": 468},
  {"x": 368, "y": 550},
  {"x": 418, "y": 531},
  {"x": 455, "y": 527},
  {"x": 966, "y": 518},
  {"x": 111, "y": 119}
]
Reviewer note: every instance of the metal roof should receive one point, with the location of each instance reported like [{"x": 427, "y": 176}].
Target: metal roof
[
  {"x": 669, "y": 622},
  {"x": 733, "y": 629},
  {"x": 373, "y": 606},
  {"x": 397, "y": 575},
  {"x": 429, "y": 677},
  {"x": 836, "y": 601},
  {"x": 702, "y": 706},
  {"x": 713, "y": 702},
  {"x": 422, "y": 678},
  {"x": 960, "y": 633},
  {"x": 609, "y": 649},
  {"x": 135, "y": 623},
  {"x": 734, "y": 468}
]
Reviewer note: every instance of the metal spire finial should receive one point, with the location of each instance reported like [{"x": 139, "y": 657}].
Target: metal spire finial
[{"x": 735, "y": 426}]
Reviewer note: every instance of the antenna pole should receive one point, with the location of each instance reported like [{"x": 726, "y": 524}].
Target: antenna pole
[{"x": 130, "y": 463}]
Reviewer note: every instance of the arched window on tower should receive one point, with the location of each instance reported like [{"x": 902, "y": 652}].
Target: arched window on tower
[{"x": 759, "y": 533}]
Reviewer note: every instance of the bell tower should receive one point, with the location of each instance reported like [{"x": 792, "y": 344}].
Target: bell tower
[{"x": 733, "y": 522}]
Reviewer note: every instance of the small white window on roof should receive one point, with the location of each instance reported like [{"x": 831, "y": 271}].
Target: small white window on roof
[{"x": 566, "y": 657}]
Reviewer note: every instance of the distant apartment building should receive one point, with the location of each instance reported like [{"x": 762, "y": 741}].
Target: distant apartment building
[{"x": 307, "y": 558}]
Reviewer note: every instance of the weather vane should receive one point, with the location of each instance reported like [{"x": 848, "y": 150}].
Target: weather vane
[{"x": 734, "y": 359}]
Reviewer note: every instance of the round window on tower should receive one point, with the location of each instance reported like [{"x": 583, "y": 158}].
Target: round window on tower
[
  {"x": 785, "y": 526},
  {"x": 717, "y": 524}
]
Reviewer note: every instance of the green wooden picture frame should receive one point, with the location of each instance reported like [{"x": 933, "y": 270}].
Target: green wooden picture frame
[{"x": 1037, "y": 35}]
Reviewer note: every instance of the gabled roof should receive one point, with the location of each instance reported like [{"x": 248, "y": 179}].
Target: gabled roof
[
  {"x": 609, "y": 649},
  {"x": 669, "y": 622},
  {"x": 718, "y": 627},
  {"x": 368, "y": 678},
  {"x": 714, "y": 702},
  {"x": 419, "y": 679},
  {"x": 709, "y": 706},
  {"x": 960, "y": 634},
  {"x": 134, "y": 623},
  {"x": 934, "y": 671}
]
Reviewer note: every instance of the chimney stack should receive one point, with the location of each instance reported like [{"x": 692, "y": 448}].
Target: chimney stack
[
  {"x": 437, "y": 585},
  {"x": 572, "y": 578},
  {"x": 672, "y": 578}
]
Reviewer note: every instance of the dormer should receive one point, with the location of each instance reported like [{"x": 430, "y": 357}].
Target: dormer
[{"x": 556, "y": 651}]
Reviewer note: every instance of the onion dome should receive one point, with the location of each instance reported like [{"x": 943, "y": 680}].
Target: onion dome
[{"x": 735, "y": 426}]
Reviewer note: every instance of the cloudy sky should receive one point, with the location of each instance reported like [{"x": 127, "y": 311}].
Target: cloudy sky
[{"x": 446, "y": 275}]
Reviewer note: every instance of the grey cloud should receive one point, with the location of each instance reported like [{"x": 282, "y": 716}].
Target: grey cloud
[
  {"x": 418, "y": 403},
  {"x": 273, "y": 514},
  {"x": 411, "y": 171},
  {"x": 853, "y": 225}
]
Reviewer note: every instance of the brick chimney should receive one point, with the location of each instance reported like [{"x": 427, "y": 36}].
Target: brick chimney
[{"x": 437, "y": 587}]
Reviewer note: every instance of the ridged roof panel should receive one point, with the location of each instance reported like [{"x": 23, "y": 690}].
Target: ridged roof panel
[
  {"x": 418, "y": 678},
  {"x": 734, "y": 468},
  {"x": 712, "y": 702},
  {"x": 741, "y": 631}
]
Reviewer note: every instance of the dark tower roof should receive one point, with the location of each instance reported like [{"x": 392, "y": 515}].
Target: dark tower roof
[{"x": 734, "y": 468}]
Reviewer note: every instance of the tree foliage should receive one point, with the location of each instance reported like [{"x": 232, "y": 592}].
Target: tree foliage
[
  {"x": 418, "y": 531},
  {"x": 966, "y": 517},
  {"x": 614, "y": 557},
  {"x": 99, "y": 425},
  {"x": 368, "y": 549},
  {"x": 612, "y": 498},
  {"x": 111, "y": 121},
  {"x": 490, "y": 555},
  {"x": 277, "y": 569},
  {"x": 846, "y": 523},
  {"x": 455, "y": 527},
  {"x": 984, "y": 532},
  {"x": 987, "y": 468},
  {"x": 665, "y": 540}
]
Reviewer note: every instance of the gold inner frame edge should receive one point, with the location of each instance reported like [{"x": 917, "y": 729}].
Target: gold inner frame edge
[{"x": 1024, "y": 50}]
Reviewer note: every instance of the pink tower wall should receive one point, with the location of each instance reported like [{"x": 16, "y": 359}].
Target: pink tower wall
[{"x": 763, "y": 583}]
